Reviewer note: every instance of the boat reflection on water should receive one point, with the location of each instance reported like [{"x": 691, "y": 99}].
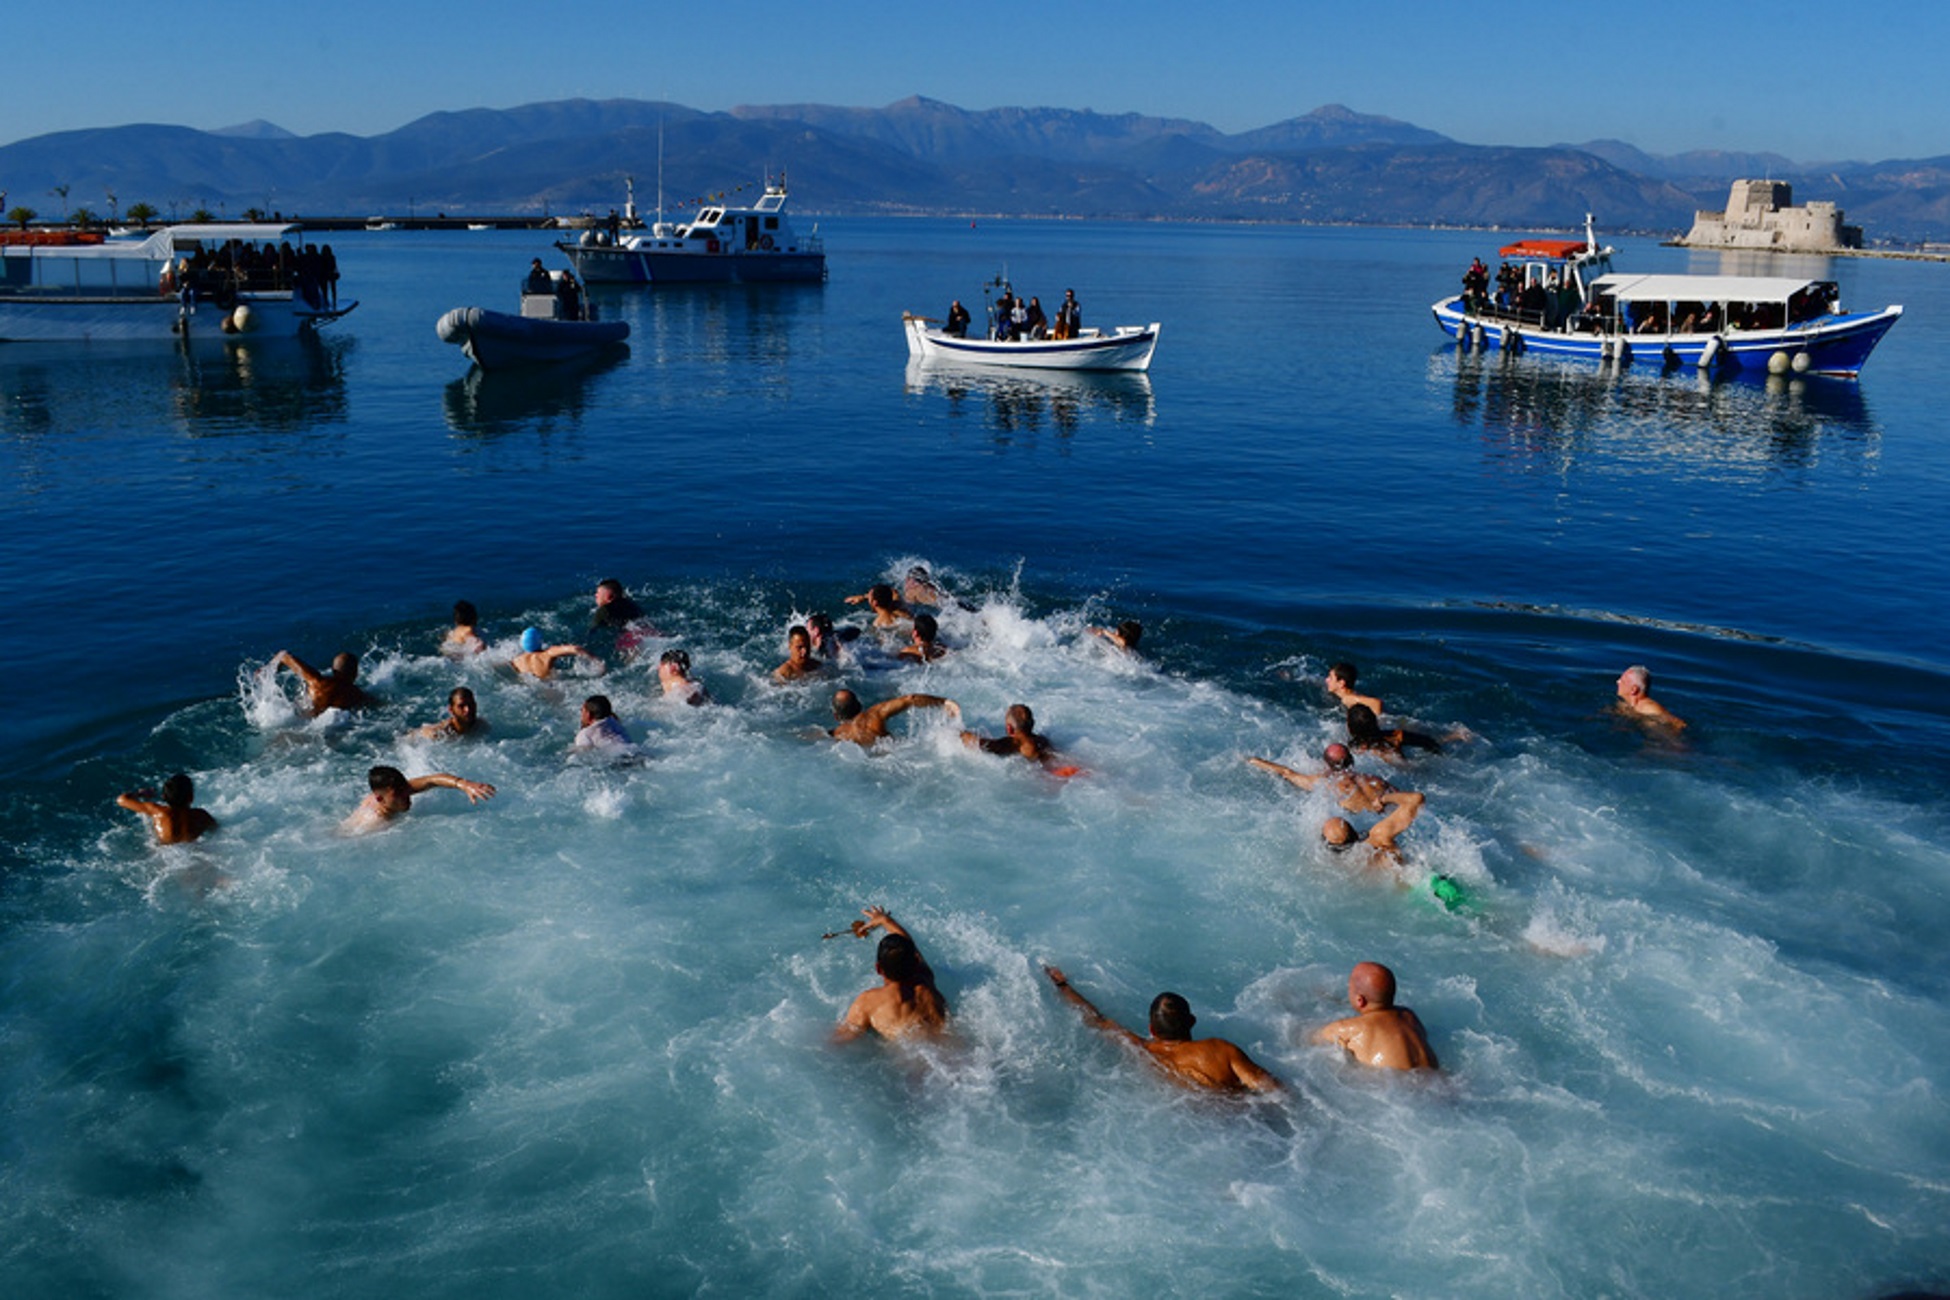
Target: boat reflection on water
[
  {"x": 1549, "y": 414},
  {"x": 1028, "y": 401},
  {"x": 494, "y": 403},
  {"x": 211, "y": 387}
]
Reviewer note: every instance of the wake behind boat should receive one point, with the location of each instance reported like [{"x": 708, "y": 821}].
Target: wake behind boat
[
  {"x": 1019, "y": 336},
  {"x": 1561, "y": 298},
  {"x": 177, "y": 282},
  {"x": 557, "y": 323}
]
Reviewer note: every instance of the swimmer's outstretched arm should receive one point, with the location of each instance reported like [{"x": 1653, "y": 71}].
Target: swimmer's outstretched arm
[
  {"x": 1407, "y": 805},
  {"x": 1091, "y": 1016},
  {"x": 474, "y": 790},
  {"x": 285, "y": 658},
  {"x": 1285, "y": 773}
]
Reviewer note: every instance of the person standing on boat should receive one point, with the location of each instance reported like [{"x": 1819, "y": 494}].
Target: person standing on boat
[
  {"x": 1019, "y": 320},
  {"x": 958, "y": 320},
  {"x": 1005, "y": 316},
  {"x": 1035, "y": 324},
  {"x": 538, "y": 279},
  {"x": 1069, "y": 316}
]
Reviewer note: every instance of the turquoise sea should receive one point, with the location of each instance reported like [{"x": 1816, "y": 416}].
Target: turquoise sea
[{"x": 576, "y": 1040}]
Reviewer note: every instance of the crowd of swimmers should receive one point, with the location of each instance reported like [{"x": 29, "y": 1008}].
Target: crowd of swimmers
[{"x": 906, "y": 1004}]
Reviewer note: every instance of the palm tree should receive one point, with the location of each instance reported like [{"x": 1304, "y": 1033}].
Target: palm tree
[
  {"x": 202, "y": 216},
  {"x": 83, "y": 218},
  {"x": 141, "y": 213},
  {"x": 22, "y": 216}
]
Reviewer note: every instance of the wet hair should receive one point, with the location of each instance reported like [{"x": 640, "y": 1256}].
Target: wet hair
[
  {"x": 458, "y": 694},
  {"x": 925, "y": 627},
  {"x": 1171, "y": 1017},
  {"x": 178, "y": 791},
  {"x": 797, "y": 632},
  {"x": 614, "y": 586},
  {"x": 1639, "y": 676},
  {"x": 1337, "y": 757},
  {"x": 846, "y": 705},
  {"x": 1345, "y": 671},
  {"x": 919, "y": 573},
  {"x": 1130, "y": 632},
  {"x": 1020, "y": 718},
  {"x": 599, "y": 707},
  {"x": 1362, "y": 725},
  {"x": 465, "y": 615},
  {"x": 899, "y": 960},
  {"x": 345, "y": 664},
  {"x": 880, "y": 595},
  {"x": 382, "y": 779},
  {"x": 821, "y": 623},
  {"x": 679, "y": 659}
]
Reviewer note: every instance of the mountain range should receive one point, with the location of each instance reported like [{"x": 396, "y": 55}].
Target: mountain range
[{"x": 922, "y": 156}]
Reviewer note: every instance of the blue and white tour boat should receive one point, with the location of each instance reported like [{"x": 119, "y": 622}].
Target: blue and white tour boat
[
  {"x": 722, "y": 244},
  {"x": 1562, "y": 298}
]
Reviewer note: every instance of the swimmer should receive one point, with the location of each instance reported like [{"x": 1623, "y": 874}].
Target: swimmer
[
  {"x": 393, "y": 791},
  {"x": 799, "y": 661},
  {"x": 1380, "y": 1033},
  {"x": 1357, "y": 791},
  {"x": 867, "y": 726},
  {"x": 1633, "y": 701},
  {"x": 1364, "y": 733},
  {"x": 538, "y": 659},
  {"x": 888, "y": 609},
  {"x": 464, "y": 637},
  {"x": 1340, "y": 685},
  {"x": 338, "y": 690},
  {"x": 463, "y": 718},
  {"x": 828, "y": 640},
  {"x": 674, "y": 675},
  {"x": 927, "y": 647},
  {"x": 906, "y": 1004},
  {"x": 1210, "y": 1063},
  {"x": 1125, "y": 636},
  {"x": 1019, "y": 737},
  {"x": 173, "y": 819},
  {"x": 601, "y": 729},
  {"x": 1381, "y": 837},
  {"x": 614, "y": 608}
]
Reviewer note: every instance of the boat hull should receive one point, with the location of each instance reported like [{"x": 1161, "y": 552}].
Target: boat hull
[
  {"x": 498, "y": 340},
  {"x": 1837, "y": 345},
  {"x": 620, "y": 264},
  {"x": 128, "y": 319},
  {"x": 1128, "y": 347}
]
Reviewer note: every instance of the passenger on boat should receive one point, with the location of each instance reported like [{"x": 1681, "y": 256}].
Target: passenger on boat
[
  {"x": 538, "y": 279},
  {"x": 1034, "y": 321},
  {"x": 570, "y": 295},
  {"x": 1019, "y": 320},
  {"x": 1476, "y": 283},
  {"x": 1005, "y": 317},
  {"x": 1069, "y": 316},
  {"x": 957, "y": 326}
]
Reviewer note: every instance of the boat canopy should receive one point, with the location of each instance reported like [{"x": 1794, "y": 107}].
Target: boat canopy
[
  {"x": 1703, "y": 288},
  {"x": 1562, "y": 248}
]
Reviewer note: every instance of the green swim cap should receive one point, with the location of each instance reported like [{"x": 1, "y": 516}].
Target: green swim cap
[{"x": 1447, "y": 891}]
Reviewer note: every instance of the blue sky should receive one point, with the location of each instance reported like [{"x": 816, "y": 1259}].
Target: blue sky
[{"x": 1797, "y": 78}]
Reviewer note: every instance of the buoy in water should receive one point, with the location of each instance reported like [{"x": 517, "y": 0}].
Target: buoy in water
[
  {"x": 1709, "y": 353},
  {"x": 1777, "y": 363},
  {"x": 243, "y": 320},
  {"x": 1800, "y": 363}
]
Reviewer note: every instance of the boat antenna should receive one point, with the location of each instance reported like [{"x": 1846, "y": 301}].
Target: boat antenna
[
  {"x": 662, "y": 110},
  {"x": 1590, "y": 235}
]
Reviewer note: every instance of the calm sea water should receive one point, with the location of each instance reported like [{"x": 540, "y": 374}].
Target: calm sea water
[{"x": 574, "y": 1041}]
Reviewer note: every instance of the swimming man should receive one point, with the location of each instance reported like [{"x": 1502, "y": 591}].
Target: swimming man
[
  {"x": 867, "y": 726},
  {"x": 463, "y": 718},
  {"x": 907, "y": 1002},
  {"x": 174, "y": 820},
  {"x": 1357, "y": 791},
  {"x": 538, "y": 659},
  {"x": 337, "y": 690},
  {"x": 392, "y": 795},
  {"x": 1633, "y": 701},
  {"x": 1201, "y": 1063},
  {"x": 1020, "y": 737},
  {"x": 1380, "y": 1033}
]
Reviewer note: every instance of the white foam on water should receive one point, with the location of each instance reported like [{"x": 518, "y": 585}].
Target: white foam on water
[{"x": 577, "y": 1038}]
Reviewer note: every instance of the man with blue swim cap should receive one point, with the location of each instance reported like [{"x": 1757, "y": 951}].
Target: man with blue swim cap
[{"x": 537, "y": 659}]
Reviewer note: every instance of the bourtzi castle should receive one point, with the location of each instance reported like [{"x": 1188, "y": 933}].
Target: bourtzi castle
[{"x": 1760, "y": 215}]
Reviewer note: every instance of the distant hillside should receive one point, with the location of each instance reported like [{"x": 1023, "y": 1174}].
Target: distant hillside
[{"x": 924, "y": 156}]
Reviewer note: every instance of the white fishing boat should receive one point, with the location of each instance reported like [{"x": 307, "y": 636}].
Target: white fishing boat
[
  {"x": 1125, "y": 347},
  {"x": 556, "y": 324},
  {"x": 1562, "y": 298},
  {"x": 177, "y": 281},
  {"x": 722, "y": 244}
]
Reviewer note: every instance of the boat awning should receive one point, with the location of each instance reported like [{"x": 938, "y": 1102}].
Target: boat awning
[
  {"x": 1699, "y": 288},
  {"x": 1542, "y": 248}
]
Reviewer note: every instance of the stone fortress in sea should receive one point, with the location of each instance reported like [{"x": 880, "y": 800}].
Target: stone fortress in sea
[{"x": 1760, "y": 215}]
